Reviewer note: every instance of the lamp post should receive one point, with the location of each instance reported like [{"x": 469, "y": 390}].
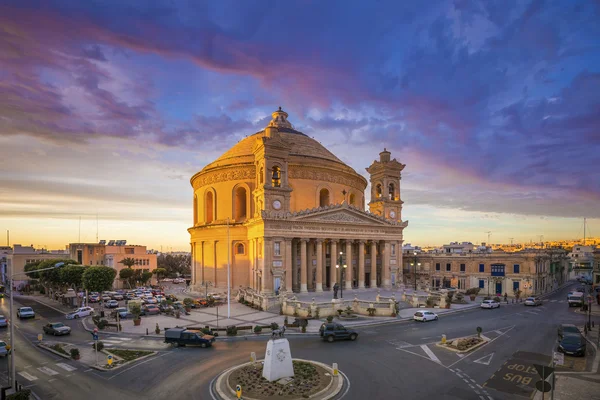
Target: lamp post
[
  {"x": 206, "y": 285},
  {"x": 13, "y": 366},
  {"x": 344, "y": 266},
  {"x": 415, "y": 264}
]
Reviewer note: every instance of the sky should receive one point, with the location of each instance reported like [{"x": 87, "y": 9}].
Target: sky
[{"x": 108, "y": 107}]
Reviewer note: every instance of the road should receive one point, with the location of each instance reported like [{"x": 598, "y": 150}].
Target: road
[{"x": 393, "y": 360}]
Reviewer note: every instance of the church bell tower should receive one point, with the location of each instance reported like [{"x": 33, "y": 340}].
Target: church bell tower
[{"x": 385, "y": 178}]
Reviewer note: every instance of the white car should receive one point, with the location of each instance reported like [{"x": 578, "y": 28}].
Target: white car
[
  {"x": 25, "y": 312},
  {"x": 533, "y": 301},
  {"x": 80, "y": 313},
  {"x": 425, "y": 316},
  {"x": 490, "y": 304},
  {"x": 3, "y": 349}
]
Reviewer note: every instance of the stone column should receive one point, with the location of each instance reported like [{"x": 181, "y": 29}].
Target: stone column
[
  {"x": 361, "y": 264},
  {"x": 400, "y": 262},
  {"x": 267, "y": 273},
  {"x": 348, "y": 271},
  {"x": 324, "y": 258},
  {"x": 288, "y": 265},
  {"x": 319, "y": 284},
  {"x": 194, "y": 262},
  {"x": 295, "y": 283},
  {"x": 385, "y": 265},
  {"x": 373, "y": 264},
  {"x": 333, "y": 254},
  {"x": 303, "y": 268}
]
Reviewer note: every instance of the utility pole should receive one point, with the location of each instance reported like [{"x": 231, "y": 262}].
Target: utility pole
[{"x": 489, "y": 233}]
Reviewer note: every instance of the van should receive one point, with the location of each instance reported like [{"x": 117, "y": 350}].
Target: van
[
  {"x": 576, "y": 299},
  {"x": 185, "y": 337}
]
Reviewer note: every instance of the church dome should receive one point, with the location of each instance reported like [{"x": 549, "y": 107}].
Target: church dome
[{"x": 304, "y": 149}]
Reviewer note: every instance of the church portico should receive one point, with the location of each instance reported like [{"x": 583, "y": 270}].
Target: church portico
[{"x": 281, "y": 213}]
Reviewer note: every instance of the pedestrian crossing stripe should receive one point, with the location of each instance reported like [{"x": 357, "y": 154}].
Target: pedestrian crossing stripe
[
  {"x": 27, "y": 376},
  {"x": 47, "y": 371},
  {"x": 66, "y": 367}
]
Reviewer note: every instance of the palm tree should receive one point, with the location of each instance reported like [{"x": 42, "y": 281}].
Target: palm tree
[{"x": 127, "y": 262}]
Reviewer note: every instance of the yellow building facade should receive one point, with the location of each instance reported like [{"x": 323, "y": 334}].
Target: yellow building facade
[{"x": 279, "y": 211}]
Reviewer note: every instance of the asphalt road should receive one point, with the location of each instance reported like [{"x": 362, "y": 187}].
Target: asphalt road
[{"x": 391, "y": 361}]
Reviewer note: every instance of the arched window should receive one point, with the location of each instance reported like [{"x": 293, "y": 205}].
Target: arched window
[
  {"x": 324, "y": 198},
  {"x": 239, "y": 248},
  {"x": 352, "y": 199},
  {"x": 378, "y": 191},
  {"x": 391, "y": 191},
  {"x": 239, "y": 201},
  {"x": 209, "y": 205},
  {"x": 276, "y": 177},
  {"x": 195, "y": 210}
]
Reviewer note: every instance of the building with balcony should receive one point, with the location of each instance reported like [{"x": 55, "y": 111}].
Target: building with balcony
[{"x": 582, "y": 261}]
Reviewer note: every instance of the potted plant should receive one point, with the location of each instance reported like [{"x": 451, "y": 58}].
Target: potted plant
[
  {"x": 257, "y": 329},
  {"x": 75, "y": 354},
  {"x": 177, "y": 313},
  {"x": 187, "y": 303},
  {"x": 472, "y": 293},
  {"x": 371, "y": 311},
  {"x": 329, "y": 318},
  {"x": 157, "y": 329},
  {"x": 136, "y": 310}
]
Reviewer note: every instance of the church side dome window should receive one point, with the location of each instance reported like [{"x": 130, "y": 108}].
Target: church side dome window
[
  {"x": 195, "y": 210},
  {"x": 240, "y": 211},
  {"x": 210, "y": 207},
  {"x": 352, "y": 199},
  {"x": 324, "y": 198}
]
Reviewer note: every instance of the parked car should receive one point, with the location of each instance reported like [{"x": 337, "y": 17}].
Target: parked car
[
  {"x": 56, "y": 329},
  {"x": 80, "y": 313},
  {"x": 567, "y": 329},
  {"x": 425, "y": 316},
  {"x": 167, "y": 280},
  {"x": 3, "y": 321},
  {"x": 106, "y": 298},
  {"x": 333, "y": 331},
  {"x": 123, "y": 313},
  {"x": 3, "y": 348},
  {"x": 165, "y": 308},
  {"x": 576, "y": 299},
  {"x": 94, "y": 298},
  {"x": 25, "y": 312},
  {"x": 150, "y": 309},
  {"x": 150, "y": 300},
  {"x": 184, "y": 337},
  {"x": 111, "y": 304},
  {"x": 533, "y": 301},
  {"x": 572, "y": 345},
  {"x": 117, "y": 296},
  {"x": 490, "y": 304}
]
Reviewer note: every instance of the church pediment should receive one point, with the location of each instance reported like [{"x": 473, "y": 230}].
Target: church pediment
[{"x": 342, "y": 213}]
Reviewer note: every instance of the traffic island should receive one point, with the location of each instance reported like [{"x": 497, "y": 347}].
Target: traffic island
[
  {"x": 311, "y": 380},
  {"x": 464, "y": 344}
]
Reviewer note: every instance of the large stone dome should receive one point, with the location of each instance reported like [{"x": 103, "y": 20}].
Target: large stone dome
[{"x": 304, "y": 149}]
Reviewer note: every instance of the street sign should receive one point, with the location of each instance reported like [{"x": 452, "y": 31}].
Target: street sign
[
  {"x": 543, "y": 370},
  {"x": 238, "y": 391},
  {"x": 559, "y": 358},
  {"x": 95, "y": 337},
  {"x": 543, "y": 386},
  {"x": 109, "y": 359}
]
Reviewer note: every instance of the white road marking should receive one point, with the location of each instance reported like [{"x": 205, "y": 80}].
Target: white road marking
[
  {"x": 498, "y": 332},
  {"x": 111, "y": 341},
  {"x": 490, "y": 397},
  {"x": 430, "y": 354},
  {"x": 47, "y": 371},
  {"x": 531, "y": 312},
  {"x": 553, "y": 301},
  {"x": 466, "y": 381},
  {"x": 27, "y": 366},
  {"x": 518, "y": 313},
  {"x": 66, "y": 367},
  {"x": 472, "y": 380},
  {"x": 485, "y": 360},
  {"x": 27, "y": 376},
  {"x": 471, "y": 386}
]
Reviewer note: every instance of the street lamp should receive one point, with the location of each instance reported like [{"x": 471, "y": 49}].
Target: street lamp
[
  {"x": 206, "y": 285},
  {"x": 415, "y": 264},
  {"x": 13, "y": 367},
  {"x": 344, "y": 266}
]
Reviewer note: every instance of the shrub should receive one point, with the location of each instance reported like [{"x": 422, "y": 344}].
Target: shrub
[
  {"x": 340, "y": 311},
  {"x": 330, "y": 318},
  {"x": 74, "y": 353},
  {"x": 257, "y": 329},
  {"x": 241, "y": 300},
  {"x": 232, "y": 330},
  {"x": 304, "y": 329},
  {"x": 187, "y": 302},
  {"x": 487, "y": 298},
  {"x": 371, "y": 311},
  {"x": 98, "y": 344},
  {"x": 471, "y": 291},
  {"x": 206, "y": 330},
  {"x": 23, "y": 394},
  {"x": 274, "y": 326}
]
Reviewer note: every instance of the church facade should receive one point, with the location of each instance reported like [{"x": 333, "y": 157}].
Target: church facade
[{"x": 280, "y": 212}]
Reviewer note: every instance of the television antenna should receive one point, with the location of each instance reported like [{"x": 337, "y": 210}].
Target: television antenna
[{"x": 489, "y": 233}]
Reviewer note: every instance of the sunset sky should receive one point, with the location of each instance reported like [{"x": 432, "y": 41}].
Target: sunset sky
[{"x": 107, "y": 108}]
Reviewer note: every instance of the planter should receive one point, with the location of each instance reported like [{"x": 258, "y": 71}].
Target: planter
[
  {"x": 472, "y": 297},
  {"x": 76, "y": 358},
  {"x": 188, "y": 309},
  {"x": 137, "y": 322}
]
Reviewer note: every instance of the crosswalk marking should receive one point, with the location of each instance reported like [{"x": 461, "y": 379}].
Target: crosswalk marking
[
  {"x": 47, "y": 371},
  {"x": 430, "y": 354},
  {"x": 111, "y": 341},
  {"x": 553, "y": 301},
  {"x": 531, "y": 312},
  {"x": 27, "y": 376},
  {"x": 66, "y": 367}
]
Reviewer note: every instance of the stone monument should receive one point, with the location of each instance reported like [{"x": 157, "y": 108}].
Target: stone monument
[{"x": 278, "y": 360}]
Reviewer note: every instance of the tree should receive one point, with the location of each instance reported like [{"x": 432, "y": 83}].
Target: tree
[
  {"x": 146, "y": 275},
  {"x": 126, "y": 274},
  {"x": 159, "y": 272},
  {"x": 128, "y": 262},
  {"x": 98, "y": 278},
  {"x": 31, "y": 268},
  {"x": 52, "y": 277},
  {"x": 72, "y": 275},
  {"x": 178, "y": 264}
]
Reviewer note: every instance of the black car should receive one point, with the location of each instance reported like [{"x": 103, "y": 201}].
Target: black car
[
  {"x": 572, "y": 345},
  {"x": 332, "y": 331},
  {"x": 56, "y": 329},
  {"x": 567, "y": 329}
]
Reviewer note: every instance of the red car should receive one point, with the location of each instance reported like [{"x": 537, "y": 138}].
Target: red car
[{"x": 150, "y": 309}]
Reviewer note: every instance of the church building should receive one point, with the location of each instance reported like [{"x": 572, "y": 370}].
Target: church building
[{"x": 282, "y": 213}]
